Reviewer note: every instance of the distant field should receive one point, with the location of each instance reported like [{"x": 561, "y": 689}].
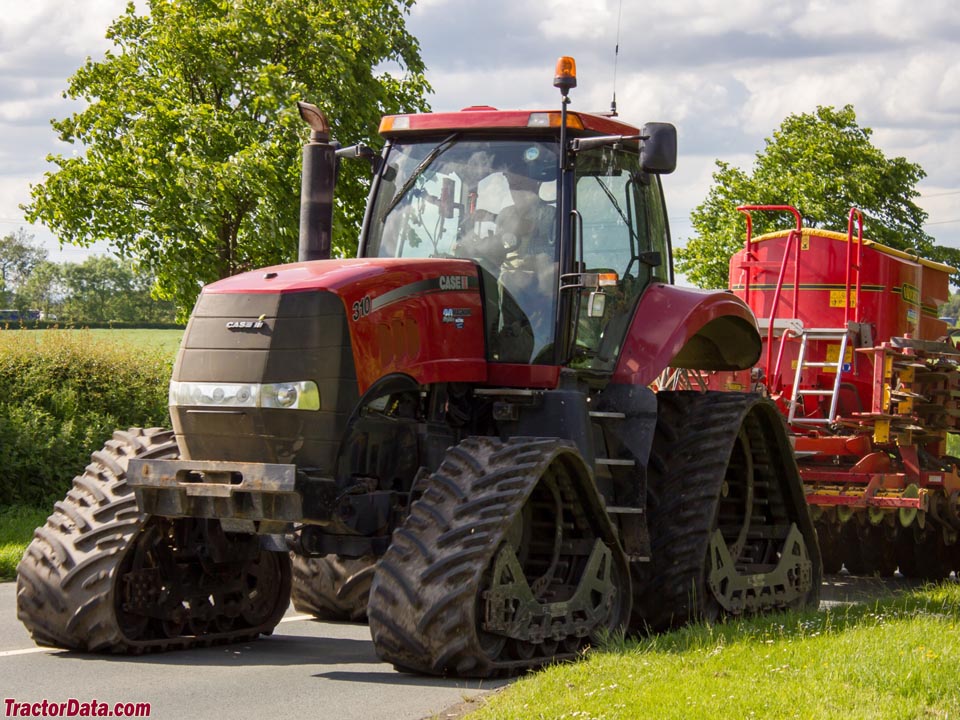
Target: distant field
[
  {"x": 166, "y": 341},
  {"x": 150, "y": 341}
]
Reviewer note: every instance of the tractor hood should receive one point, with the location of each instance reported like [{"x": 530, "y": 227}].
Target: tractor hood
[
  {"x": 317, "y": 335},
  {"x": 418, "y": 316},
  {"x": 335, "y": 275}
]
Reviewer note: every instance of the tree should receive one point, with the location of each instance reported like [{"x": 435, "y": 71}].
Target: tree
[
  {"x": 18, "y": 256},
  {"x": 100, "y": 289},
  {"x": 43, "y": 290},
  {"x": 822, "y": 163},
  {"x": 105, "y": 289},
  {"x": 951, "y": 308},
  {"x": 191, "y": 138}
]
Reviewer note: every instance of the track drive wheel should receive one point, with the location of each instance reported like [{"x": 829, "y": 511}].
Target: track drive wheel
[
  {"x": 506, "y": 562},
  {"x": 331, "y": 587},
  {"x": 730, "y": 530},
  {"x": 100, "y": 575}
]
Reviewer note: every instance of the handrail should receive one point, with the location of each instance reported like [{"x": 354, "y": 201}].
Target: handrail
[
  {"x": 858, "y": 316},
  {"x": 795, "y": 236}
]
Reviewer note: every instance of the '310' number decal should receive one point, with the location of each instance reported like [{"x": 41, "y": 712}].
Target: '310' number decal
[{"x": 361, "y": 308}]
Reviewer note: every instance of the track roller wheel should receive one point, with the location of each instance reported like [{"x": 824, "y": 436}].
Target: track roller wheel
[
  {"x": 506, "y": 562},
  {"x": 331, "y": 587},
  {"x": 730, "y": 530},
  {"x": 102, "y": 576}
]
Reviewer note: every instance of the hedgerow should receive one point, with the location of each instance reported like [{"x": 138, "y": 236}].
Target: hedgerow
[{"x": 62, "y": 394}]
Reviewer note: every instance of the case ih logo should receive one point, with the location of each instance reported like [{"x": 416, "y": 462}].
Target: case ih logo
[
  {"x": 454, "y": 282},
  {"x": 245, "y": 324}
]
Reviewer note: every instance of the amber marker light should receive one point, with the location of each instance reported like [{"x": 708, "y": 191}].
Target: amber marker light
[
  {"x": 565, "y": 76},
  {"x": 552, "y": 119},
  {"x": 394, "y": 122}
]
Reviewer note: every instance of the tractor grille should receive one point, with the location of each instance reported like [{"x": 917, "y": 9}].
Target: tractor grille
[{"x": 302, "y": 336}]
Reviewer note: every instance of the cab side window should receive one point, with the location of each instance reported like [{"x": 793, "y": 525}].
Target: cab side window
[{"x": 623, "y": 233}]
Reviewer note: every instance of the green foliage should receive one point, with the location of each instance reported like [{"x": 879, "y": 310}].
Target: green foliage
[
  {"x": 951, "y": 308},
  {"x": 17, "y": 524},
  {"x": 822, "y": 163},
  {"x": 191, "y": 138},
  {"x": 19, "y": 255},
  {"x": 894, "y": 658},
  {"x": 101, "y": 289},
  {"x": 61, "y": 395}
]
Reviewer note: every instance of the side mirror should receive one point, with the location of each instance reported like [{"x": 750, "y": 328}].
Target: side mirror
[
  {"x": 651, "y": 257},
  {"x": 658, "y": 154}
]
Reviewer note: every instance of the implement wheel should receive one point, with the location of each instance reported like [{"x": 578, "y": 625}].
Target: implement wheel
[
  {"x": 102, "y": 576},
  {"x": 730, "y": 530},
  {"x": 506, "y": 562}
]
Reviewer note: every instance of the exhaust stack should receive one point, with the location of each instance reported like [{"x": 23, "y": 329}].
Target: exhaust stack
[{"x": 317, "y": 181}]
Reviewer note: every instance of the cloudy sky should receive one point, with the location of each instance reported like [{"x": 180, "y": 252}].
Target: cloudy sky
[{"x": 725, "y": 73}]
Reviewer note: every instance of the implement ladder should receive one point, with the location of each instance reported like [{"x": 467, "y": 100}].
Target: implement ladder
[
  {"x": 792, "y": 327},
  {"x": 797, "y": 395}
]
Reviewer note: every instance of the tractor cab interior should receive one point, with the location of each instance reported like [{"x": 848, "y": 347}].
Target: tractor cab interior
[{"x": 494, "y": 200}]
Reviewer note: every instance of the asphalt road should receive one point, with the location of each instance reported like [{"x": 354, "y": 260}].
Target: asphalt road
[{"x": 306, "y": 669}]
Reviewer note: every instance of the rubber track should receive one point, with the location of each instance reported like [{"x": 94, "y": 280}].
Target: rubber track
[
  {"x": 331, "y": 587},
  {"x": 695, "y": 435},
  {"x": 66, "y": 579},
  {"x": 423, "y": 601}
]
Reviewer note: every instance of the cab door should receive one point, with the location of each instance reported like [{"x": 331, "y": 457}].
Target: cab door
[{"x": 622, "y": 235}]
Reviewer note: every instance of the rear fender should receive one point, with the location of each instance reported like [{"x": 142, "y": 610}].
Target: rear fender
[{"x": 687, "y": 328}]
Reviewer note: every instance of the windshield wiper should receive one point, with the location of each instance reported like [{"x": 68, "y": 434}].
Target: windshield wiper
[
  {"x": 616, "y": 205},
  {"x": 417, "y": 172}
]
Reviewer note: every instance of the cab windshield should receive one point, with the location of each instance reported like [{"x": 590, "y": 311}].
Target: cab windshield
[{"x": 490, "y": 200}]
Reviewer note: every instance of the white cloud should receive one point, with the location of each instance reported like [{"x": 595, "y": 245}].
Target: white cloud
[{"x": 725, "y": 73}]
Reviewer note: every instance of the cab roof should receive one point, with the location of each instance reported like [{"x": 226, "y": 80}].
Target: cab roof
[{"x": 484, "y": 117}]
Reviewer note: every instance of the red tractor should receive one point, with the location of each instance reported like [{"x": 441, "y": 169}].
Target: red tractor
[
  {"x": 861, "y": 368},
  {"x": 459, "y": 419}
]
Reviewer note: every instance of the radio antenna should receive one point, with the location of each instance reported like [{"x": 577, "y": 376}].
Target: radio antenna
[{"x": 616, "y": 57}]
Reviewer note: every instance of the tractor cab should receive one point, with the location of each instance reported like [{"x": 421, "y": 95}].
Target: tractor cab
[
  {"x": 488, "y": 186},
  {"x": 565, "y": 243}
]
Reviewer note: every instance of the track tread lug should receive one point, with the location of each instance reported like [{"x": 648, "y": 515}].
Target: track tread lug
[
  {"x": 458, "y": 534},
  {"x": 65, "y": 581},
  {"x": 695, "y": 436}
]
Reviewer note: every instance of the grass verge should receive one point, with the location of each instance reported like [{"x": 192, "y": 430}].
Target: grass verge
[
  {"x": 17, "y": 524},
  {"x": 895, "y": 658}
]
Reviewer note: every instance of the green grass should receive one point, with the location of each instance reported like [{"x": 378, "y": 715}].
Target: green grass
[
  {"x": 897, "y": 658},
  {"x": 165, "y": 342},
  {"x": 17, "y": 524},
  {"x": 149, "y": 341}
]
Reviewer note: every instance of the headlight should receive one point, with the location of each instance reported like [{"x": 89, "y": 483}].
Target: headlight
[{"x": 302, "y": 395}]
